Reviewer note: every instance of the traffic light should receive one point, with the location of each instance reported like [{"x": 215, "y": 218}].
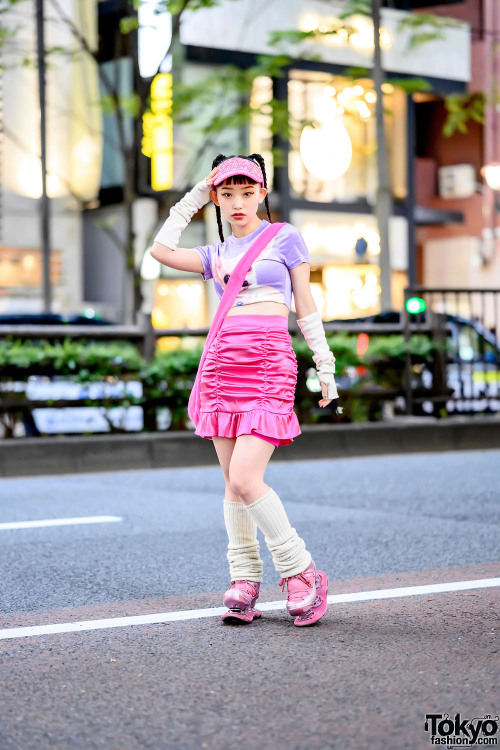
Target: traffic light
[{"x": 415, "y": 305}]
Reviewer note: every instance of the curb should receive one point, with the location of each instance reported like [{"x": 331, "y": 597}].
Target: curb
[{"x": 22, "y": 457}]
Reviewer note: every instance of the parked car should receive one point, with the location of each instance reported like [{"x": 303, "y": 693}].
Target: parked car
[
  {"x": 45, "y": 319},
  {"x": 470, "y": 340},
  {"x": 473, "y": 362}
]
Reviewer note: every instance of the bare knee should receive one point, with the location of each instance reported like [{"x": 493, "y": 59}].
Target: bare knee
[
  {"x": 239, "y": 477},
  {"x": 241, "y": 490},
  {"x": 247, "y": 467},
  {"x": 231, "y": 495},
  {"x": 247, "y": 487}
]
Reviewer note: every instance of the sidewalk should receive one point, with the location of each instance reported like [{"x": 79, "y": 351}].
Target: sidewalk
[{"x": 76, "y": 453}]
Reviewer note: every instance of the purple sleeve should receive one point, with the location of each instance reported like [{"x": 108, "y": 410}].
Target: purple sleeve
[
  {"x": 294, "y": 248},
  {"x": 205, "y": 253}
]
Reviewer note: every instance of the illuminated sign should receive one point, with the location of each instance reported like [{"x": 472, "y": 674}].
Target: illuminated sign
[{"x": 157, "y": 126}]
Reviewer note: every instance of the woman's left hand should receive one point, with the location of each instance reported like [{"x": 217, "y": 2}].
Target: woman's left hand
[{"x": 324, "y": 392}]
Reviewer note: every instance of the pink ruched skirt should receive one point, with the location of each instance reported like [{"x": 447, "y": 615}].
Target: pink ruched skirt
[{"x": 248, "y": 380}]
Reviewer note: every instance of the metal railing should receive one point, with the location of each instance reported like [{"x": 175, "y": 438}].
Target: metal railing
[
  {"x": 145, "y": 337},
  {"x": 462, "y": 375}
]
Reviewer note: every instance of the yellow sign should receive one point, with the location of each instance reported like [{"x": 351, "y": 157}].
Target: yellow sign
[
  {"x": 157, "y": 128},
  {"x": 490, "y": 376}
]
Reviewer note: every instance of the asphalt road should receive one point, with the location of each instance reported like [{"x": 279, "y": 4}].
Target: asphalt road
[{"x": 365, "y": 676}]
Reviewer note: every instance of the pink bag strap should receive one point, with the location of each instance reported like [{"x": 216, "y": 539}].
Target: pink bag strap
[{"x": 237, "y": 277}]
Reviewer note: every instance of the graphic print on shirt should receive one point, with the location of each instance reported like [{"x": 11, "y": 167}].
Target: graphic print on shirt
[{"x": 250, "y": 291}]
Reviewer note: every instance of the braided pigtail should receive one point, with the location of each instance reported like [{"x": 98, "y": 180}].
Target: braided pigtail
[
  {"x": 218, "y": 160},
  {"x": 259, "y": 158}
]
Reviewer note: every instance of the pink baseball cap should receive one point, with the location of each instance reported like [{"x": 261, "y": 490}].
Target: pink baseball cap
[{"x": 237, "y": 165}]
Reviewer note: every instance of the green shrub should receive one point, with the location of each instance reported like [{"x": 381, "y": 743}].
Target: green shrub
[
  {"x": 83, "y": 361},
  {"x": 167, "y": 380}
]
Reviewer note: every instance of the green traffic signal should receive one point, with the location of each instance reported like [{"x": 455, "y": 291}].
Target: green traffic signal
[{"x": 415, "y": 305}]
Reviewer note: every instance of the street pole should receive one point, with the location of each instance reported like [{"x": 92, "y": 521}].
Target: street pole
[
  {"x": 44, "y": 201},
  {"x": 383, "y": 201}
]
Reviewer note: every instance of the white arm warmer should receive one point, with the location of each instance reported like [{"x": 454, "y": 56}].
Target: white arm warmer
[
  {"x": 314, "y": 333},
  {"x": 182, "y": 213}
]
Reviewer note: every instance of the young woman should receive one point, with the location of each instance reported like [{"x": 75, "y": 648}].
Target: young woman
[{"x": 248, "y": 378}]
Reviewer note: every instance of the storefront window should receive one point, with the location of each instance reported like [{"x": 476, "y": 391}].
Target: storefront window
[
  {"x": 344, "y": 250},
  {"x": 178, "y": 299},
  {"x": 178, "y": 303},
  {"x": 21, "y": 269},
  {"x": 334, "y": 158}
]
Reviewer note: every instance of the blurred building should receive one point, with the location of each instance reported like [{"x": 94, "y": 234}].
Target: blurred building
[
  {"x": 327, "y": 192},
  {"x": 448, "y": 170},
  {"x": 444, "y": 230},
  {"x": 74, "y": 150}
]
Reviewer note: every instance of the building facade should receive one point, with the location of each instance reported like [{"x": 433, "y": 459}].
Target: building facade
[
  {"x": 326, "y": 185},
  {"x": 445, "y": 224},
  {"x": 465, "y": 253},
  {"x": 74, "y": 152}
]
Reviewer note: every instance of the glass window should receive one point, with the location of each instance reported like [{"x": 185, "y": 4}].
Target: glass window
[
  {"x": 344, "y": 249},
  {"x": 21, "y": 269},
  {"x": 488, "y": 354},
  {"x": 468, "y": 343},
  {"x": 333, "y": 143}
]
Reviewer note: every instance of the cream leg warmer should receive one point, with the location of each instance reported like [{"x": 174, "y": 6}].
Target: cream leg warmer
[
  {"x": 286, "y": 547},
  {"x": 243, "y": 548}
]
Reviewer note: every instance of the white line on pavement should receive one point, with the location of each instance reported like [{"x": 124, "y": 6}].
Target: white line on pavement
[
  {"x": 58, "y": 522},
  {"x": 360, "y": 596}
]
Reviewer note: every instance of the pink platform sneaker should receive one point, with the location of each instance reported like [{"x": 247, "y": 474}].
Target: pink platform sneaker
[
  {"x": 240, "y": 600},
  {"x": 307, "y": 595}
]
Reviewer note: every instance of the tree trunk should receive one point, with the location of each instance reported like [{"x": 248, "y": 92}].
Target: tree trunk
[
  {"x": 383, "y": 202},
  {"x": 130, "y": 290}
]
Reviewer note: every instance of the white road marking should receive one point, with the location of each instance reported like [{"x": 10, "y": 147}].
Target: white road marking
[
  {"x": 360, "y": 596},
  {"x": 58, "y": 522}
]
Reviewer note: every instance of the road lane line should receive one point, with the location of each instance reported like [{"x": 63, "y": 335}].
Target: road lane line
[
  {"x": 360, "y": 596},
  {"x": 58, "y": 522}
]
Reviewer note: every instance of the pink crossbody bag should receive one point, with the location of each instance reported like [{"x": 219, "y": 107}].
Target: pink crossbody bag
[{"x": 230, "y": 293}]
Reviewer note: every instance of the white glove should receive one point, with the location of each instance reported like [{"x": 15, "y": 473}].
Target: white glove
[
  {"x": 314, "y": 333},
  {"x": 182, "y": 213}
]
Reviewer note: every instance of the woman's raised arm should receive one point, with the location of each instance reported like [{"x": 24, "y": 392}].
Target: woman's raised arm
[
  {"x": 180, "y": 258},
  {"x": 165, "y": 248}
]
